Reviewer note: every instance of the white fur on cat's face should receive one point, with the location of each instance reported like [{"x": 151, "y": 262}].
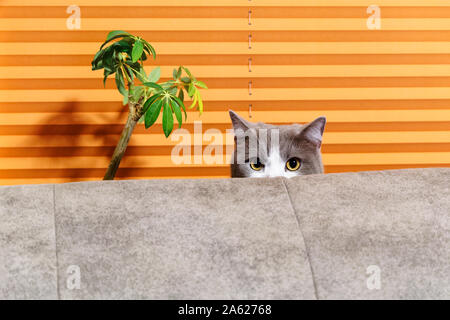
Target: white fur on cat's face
[{"x": 274, "y": 166}]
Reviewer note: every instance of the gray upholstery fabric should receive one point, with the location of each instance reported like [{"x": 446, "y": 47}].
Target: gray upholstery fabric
[
  {"x": 308, "y": 237},
  {"x": 27, "y": 243},
  {"x": 181, "y": 239},
  {"x": 398, "y": 221}
]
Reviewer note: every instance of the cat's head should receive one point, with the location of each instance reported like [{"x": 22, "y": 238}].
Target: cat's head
[{"x": 264, "y": 150}]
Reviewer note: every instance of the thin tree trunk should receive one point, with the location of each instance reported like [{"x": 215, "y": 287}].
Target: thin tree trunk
[{"x": 121, "y": 147}]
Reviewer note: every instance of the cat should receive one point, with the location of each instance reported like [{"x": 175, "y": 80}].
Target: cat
[{"x": 265, "y": 150}]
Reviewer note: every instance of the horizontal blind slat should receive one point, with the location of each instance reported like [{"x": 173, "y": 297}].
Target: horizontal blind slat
[
  {"x": 166, "y": 161},
  {"x": 214, "y": 71},
  {"x": 89, "y": 48},
  {"x": 274, "y": 94},
  {"x": 137, "y": 140},
  {"x": 222, "y": 24},
  {"x": 219, "y": 3},
  {"x": 213, "y": 117}
]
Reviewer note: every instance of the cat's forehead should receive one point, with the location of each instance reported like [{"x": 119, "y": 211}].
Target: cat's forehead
[
  {"x": 288, "y": 140},
  {"x": 286, "y": 129}
]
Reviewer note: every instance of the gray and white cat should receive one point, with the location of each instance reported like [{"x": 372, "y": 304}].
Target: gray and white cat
[{"x": 265, "y": 150}]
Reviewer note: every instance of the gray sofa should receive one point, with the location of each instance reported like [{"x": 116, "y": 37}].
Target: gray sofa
[{"x": 367, "y": 235}]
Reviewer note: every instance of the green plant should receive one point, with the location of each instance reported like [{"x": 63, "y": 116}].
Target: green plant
[{"x": 123, "y": 54}]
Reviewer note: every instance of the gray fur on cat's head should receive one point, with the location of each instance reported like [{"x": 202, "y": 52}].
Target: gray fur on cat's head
[{"x": 276, "y": 150}]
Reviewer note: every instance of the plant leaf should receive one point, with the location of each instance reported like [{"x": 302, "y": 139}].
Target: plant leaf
[
  {"x": 172, "y": 90},
  {"x": 181, "y": 95},
  {"x": 97, "y": 60},
  {"x": 188, "y": 72},
  {"x": 149, "y": 48},
  {"x": 168, "y": 84},
  {"x": 106, "y": 73},
  {"x": 149, "y": 102},
  {"x": 107, "y": 59},
  {"x": 114, "y": 35},
  {"x": 201, "y": 84},
  {"x": 194, "y": 102},
  {"x": 200, "y": 102},
  {"x": 125, "y": 44},
  {"x": 98, "y": 65},
  {"x": 154, "y": 75},
  {"x": 144, "y": 56},
  {"x": 132, "y": 66},
  {"x": 152, "y": 114},
  {"x": 153, "y": 85},
  {"x": 141, "y": 74},
  {"x": 177, "y": 111},
  {"x": 129, "y": 72},
  {"x": 167, "y": 119},
  {"x": 181, "y": 104},
  {"x": 120, "y": 83},
  {"x": 136, "y": 53},
  {"x": 191, "y": 90},
  {"x": 186, "y": 79},
  {"x": 137, "y": 93}
]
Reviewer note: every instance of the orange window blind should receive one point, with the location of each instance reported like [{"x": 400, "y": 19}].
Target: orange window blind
[{"x": 385, "y": 89}]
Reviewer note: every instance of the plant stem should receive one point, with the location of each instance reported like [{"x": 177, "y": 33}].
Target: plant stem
[
  {"x": 135, "y": 112},
  {"x": 121, "y": 147}
]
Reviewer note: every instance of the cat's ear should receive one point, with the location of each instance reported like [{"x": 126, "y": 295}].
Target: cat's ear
[
  {"x": 239, "y": 122},
  {"x": 313, "y": 131}
]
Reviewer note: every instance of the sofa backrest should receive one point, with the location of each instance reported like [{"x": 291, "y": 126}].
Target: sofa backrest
[{"x": 368, "y": 235}]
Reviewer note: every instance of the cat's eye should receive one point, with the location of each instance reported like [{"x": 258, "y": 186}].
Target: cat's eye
[
  {"x": 256, "y": 165},
  {"x": 293, "y": 164}
]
